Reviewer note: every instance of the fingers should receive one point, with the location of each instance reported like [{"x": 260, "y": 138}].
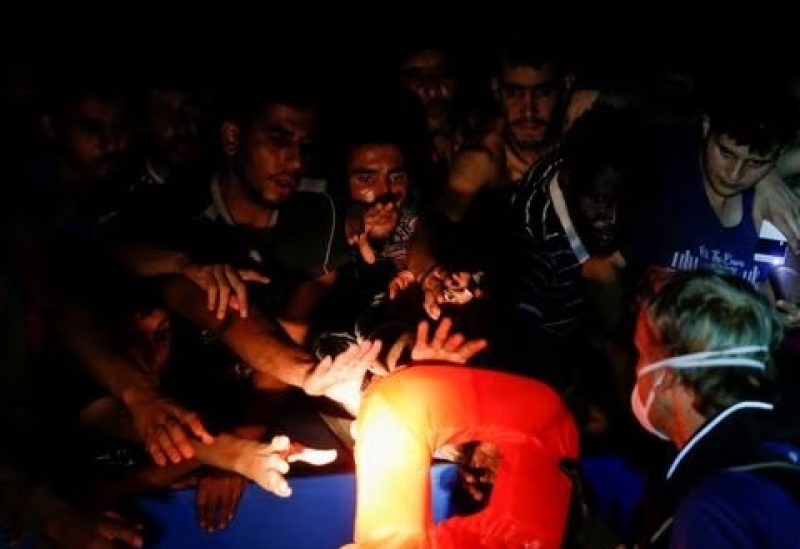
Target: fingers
[
  {"x": 365, "y": 249},
  {"x": 217, "y": 498},
  {"x": 273, "y": 461},
  {"x": 224, "y": 291},
  {"x": 239, "y": 288},
  {"x": 273, "y": 481},
  {"x": 117, "y": 530},
  {"x": 167, "y": 445},
  {"x": 371, "y": 351},
  {"x": 313, "y": 456},
  {"x": 192, "y": 420},
  {"x": 237, "y": 489},
  {"x": 253, "y": 276},
  {"x": 180, "y": 441},
  {"x": 357, "y": 356},
  {"x": 422, "y": 333},
  {"x": 454, "y": 343},
  {"x": 279, "y": 443},
  {"x": 212, "y": 293},
  {"x": 400, "y": 282},
  {"x": 166, "y": 436},
  {"x": 431, "y": 305},
  {"x": 229, "y": 499},
  {"x": 441, "y": 333},
  {"x": 202, "y": 503},
  {"x": 157, "y": 453},
  {"x": 472, "y": 348}
]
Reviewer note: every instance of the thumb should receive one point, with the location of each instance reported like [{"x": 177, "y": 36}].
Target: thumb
[
  {"x": 253, "y": 276},
  {"x": 313, "y": 456},
  {"x": 364, "y": 247}
]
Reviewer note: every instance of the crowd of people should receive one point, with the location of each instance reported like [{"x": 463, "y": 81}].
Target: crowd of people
[{"x": 197, "y": 285}]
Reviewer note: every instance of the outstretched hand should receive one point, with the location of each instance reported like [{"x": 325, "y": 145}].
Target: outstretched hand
[
  {"x": 267, "y": 464},
  {"x": 443, "y": 345},
  {"x": 340, "y": 378}
]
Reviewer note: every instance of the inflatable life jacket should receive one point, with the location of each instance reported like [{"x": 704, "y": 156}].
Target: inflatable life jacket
[{"x": 407, "y": 416}]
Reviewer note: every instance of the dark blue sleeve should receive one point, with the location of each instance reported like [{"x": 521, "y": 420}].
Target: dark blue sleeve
[{"x": 732, "y": 510}]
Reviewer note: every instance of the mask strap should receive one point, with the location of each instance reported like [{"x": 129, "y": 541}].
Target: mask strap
[{"x": 708, "y": 359}]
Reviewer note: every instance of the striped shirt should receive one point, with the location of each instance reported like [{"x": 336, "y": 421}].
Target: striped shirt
[{"x": 547, "y": 254}]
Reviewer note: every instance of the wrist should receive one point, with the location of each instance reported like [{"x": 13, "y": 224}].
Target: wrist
[
  {"x": 240, "y": 454},
  {"x": 425, "y": 273},
  {"x": 133, "y": 395}
]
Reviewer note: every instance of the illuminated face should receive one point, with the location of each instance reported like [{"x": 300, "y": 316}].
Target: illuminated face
[
  {"x": 528, "y": 96},
  {"x": 596, "y": 215},
  {"x": 377, "y": 174},
  {"x": 273, "y": 153},
  {"x": 732, "y": 168},
  {"x": 96, "y": 136}
]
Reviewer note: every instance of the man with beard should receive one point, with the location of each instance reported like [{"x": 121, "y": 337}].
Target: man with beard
[
  {"x": 173, "y": 124},
  {"x": 529, "y": 88},
  {"x": 565, "y": 212},
  {"x": 427, "y": 73},
  {"x": 378, "y": 179},
  {"x": 247, "y": 270}
]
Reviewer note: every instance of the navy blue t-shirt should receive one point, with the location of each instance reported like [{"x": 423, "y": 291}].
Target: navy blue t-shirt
[{"x": 679, "y": 230}]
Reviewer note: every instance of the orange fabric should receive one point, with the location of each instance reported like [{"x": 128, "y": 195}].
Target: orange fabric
[{"x": 407, "y": 416}]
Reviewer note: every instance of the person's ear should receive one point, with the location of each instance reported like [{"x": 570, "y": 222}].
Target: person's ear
[
  {"x": 230, "y": 136},
  {"x": 496, "y": 88},
  {"x": 706, "y": 126}
]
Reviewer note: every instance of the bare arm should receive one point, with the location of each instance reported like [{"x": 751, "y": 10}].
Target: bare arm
[
  {"x": 257, "y": 340},
  {"x": 789, "y": 162},
  {"x": 164, "y": 427},
  {"x": 141, "y": 259},
  {"x": 307, "y": 297},
  {"x": 775, "y": 202}
]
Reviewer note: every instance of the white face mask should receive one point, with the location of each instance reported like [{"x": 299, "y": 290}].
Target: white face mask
[
  {"x": 705, "y": 359},
  {"x": 642, "y": 409}
]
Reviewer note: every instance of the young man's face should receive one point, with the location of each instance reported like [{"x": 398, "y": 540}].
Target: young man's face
[
  {"x": 528, "y": 96},
  {"x": 596, "y": 213},
  {"x": 173, "y": 124},
  {"x": 377, "y": 174},
  {"x": 731, "y": 168},
  {"x": 273, "y": 153},
  {"x": 426, "y": 74},
  {"x": 96, "y": 136}
]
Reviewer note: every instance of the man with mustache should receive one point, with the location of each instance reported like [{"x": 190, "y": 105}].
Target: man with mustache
[
  {"x": 428, "y": 74},
  {"x": 565, "y": 212},
  {"x": 529, "y": 88},
  {"x": 248, "y": 268},
  {"x": 378, "y": 181},
  {"x": 173, "y": 121}
]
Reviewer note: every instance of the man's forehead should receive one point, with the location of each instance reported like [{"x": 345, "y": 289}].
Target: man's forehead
[
  {"x": 730, "y": 144},
  {"x": 426, "y": 59},
  {"x": 97, "y": 107},
  {"x": 528, "y": 75},
  {"x": 366, "y": 155},
  {"x": 300, "y": 120}
]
